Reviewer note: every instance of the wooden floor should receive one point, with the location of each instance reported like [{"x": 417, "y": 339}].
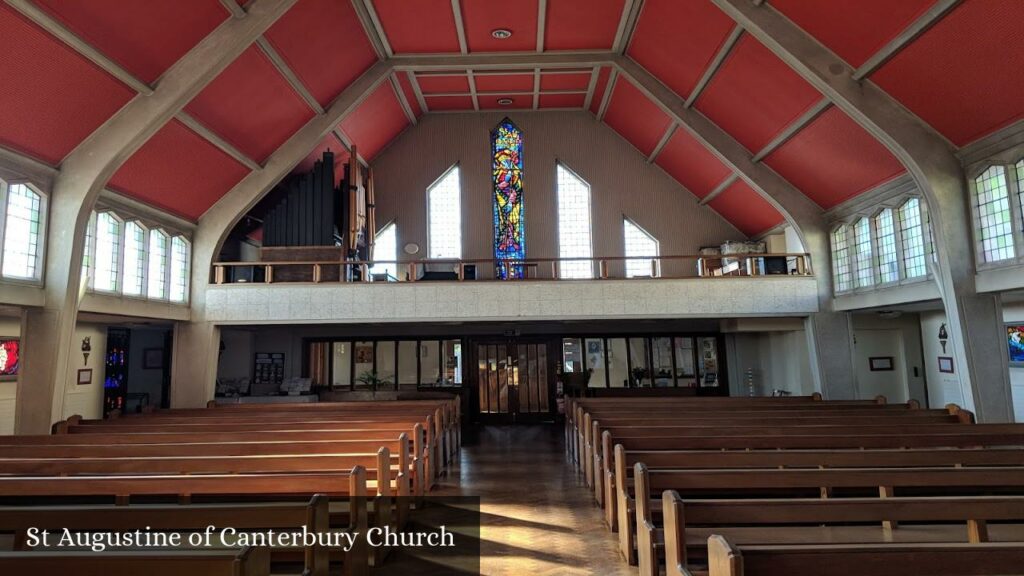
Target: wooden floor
[{"x": 535, "y": 516}]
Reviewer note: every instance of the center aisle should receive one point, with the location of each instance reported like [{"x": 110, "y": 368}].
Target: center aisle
[{"x": 535, "y": 517}]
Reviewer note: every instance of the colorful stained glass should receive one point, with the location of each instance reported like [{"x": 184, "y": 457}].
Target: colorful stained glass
[{"x": 509, "y": 226}]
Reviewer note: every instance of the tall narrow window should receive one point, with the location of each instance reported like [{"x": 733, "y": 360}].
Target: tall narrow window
[
  {"x": 157, "y": 277},
  {"x": 912, "y": 235},
  {"x": 180, "y": 254},
  {"x": 1020, "y": 184},
  {"x": 994, "y": 220},
  {"x": 134, "y": 259},
  {"x": 842, "y": 277},
  {"x": 885, "y": 239},
  {"x": 574, "y": 246},
  {"x": 89, "y": 252},
  {"x": 444, "y": 200},
  {"x": 108, "y": 252},
  {"x": 641, "y": 250},
  {"x": 22, "y": 233},
  {"x": 509, "y": 226},
  {"x": 862, "y": 253},
  {"x": 385, "y": 250}
]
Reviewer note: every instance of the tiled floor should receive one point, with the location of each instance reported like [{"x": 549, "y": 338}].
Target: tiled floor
[{"x": 536, "y": 517}]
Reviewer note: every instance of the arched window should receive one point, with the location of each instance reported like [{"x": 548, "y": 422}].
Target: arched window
[
  {"x": 157, "y": 277},
  {"x": 180, "y": 257},
  {"x": 912, "y": 238},
  {"x": 994, "y": 219},
  {"x": 885, "y": 240},
  {"x": 862, "y": 253},
  {"x": 22, "y": 239},
  {"x": 639, "y": 244},
  {"x": 444, "y": 203},
  {"x": 842, "y": 278},
  {"x": 108, "y": 252},
  {"x": 134, "y": 259},
  {"x": 385, "y": 249},
  {"x": 574, "y": 225}
]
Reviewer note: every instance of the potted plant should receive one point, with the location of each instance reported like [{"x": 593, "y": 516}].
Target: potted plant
[{"x": 371, "y": 380}]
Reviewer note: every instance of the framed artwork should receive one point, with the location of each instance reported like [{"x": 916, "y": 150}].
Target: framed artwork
[
  {"x": 946, "y": 365},
  {"x": 1015, "y": 343},
  {"x": 10, "y": 358},
  {"x": 153, "y": 358},
  {"x": 881, "y": 363},
  {"x": 85, "y": 376},
  {"x": 364, "y": 354}
]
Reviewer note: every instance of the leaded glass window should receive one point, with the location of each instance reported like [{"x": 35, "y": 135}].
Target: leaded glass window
[
  {"x": 134, "y": 259},
  {"x": 89, "y": 252},
  {"x": 912, "y": 235},
  {"x": 995, "y": 226},
  {"x": 444, "y": 200},
  {"x": 385, "y": 251},
  {"x": 574, "y": 241},
  {"x": 639, "y": 244},
  {"x": 842, "y": 277},
  {"x": 180, "y": 253},
  {"x": 158, "y": 242},
  {"x": 22, "y": 233},
  {"x": 108, "y": 252},
  {"x": 507, "y": 172},
  {"x": 862, "y": 253},
  {"x": 885, "y": 240}
]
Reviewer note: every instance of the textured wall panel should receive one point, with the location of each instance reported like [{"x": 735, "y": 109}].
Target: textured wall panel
[
  {"x": 405, "y": 24},
  {"x": 582, "y": 24},
  {"x": 689, "y": 162},
  {"x": 745, "y": 208},
  {"x": 634, "y": 116},
  {"x": 375, "y": 122}
]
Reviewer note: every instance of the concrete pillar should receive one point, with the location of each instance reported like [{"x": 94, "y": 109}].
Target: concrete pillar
[
  {"x": 82, "y": 176},
  {"x": 194, "y": 370}
]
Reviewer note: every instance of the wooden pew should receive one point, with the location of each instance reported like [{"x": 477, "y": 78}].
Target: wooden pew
[
  {"x": 857, "y": 559},
  {"x": 799, "y": 521},
  {"x": 244, "y": 562},
  {"x": 313, "y": 515}
]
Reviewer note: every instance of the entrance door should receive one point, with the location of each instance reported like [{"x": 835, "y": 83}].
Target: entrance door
[{"x": 514, "y": 382}]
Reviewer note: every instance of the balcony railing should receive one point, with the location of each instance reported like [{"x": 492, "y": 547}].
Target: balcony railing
[{"x": 682, "y": 266}]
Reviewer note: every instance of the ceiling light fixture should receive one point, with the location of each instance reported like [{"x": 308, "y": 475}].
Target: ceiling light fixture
[
  {"x": 505, "y": 101},
  {"x": 501, "y": 33}
]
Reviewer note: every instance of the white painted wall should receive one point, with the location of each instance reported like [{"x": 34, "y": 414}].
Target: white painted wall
[
  {"x": 85, "y": 399},
  {"x": 776, "y": 360},
  {"x": 943, "y": 388},
  {"x": 897, "y": 337}
]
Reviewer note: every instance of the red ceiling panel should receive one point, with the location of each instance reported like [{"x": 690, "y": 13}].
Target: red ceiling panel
[
  {"x": 579, "y": 81},
  {"x": 834, "y": 159},
  {"x": 179, "y": 171},
  {"x": 50, "y": 97},
  {"x": 410, "y": 95},
  {"x": 424, "y": 26},
  {"x": 437, "y": 103},
  {"x": 146, "y": 38},
  {"x": 599, "y": 89},
  {"x": 676, "y": 40},
  {"x": 341, "y": 157},
  {"x": 853, "y": 30},
  {"x": 582, "y": 24},
  {"x": 251, "y": 105},
  {"x": 490, "y": 102},
  {"x": 324, "y": 43},
  {"x": 755, "y": 95},
  {"x": 440, "y": 84},
  {"x": 562, "y": 100},
  {"x": 504, "y": 82},
  {"x": 481, "y": 17},
  {"x": 963, "y": 75},
  {"x": 691, "y": 164},
  {"x": 635, "y": 117},
  {"x": 746, "y": 209},
  {"x": 375, "y": 122}
]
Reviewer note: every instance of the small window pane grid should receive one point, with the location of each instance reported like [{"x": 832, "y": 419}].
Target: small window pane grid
[
  {"x": 842, "y": 276},
  {"x": 385, "y": 249},
  {"x": 995, "y": 221},
  {"x": 862, "y": 251},
  {"x": 22, "y": 231},
  {"x": 134, "y": 259},
  {"x": 157, "y": 288},
  {"x": 179, "y": 269},
  {"x": 89, "y": 252},
  {"x": 424, "y": 363},
  {"x": 885, "y": 240},
  {"x": 108, "y": 252},
  {"x": 639, "y": 243},
  {"x": 574, "y": 226},
  {"x": 1020, "y": 185},
  {"x": 645, "y": 361},
  {"x": 444, "y": 201},
  {"x": 912, "y": 236}
]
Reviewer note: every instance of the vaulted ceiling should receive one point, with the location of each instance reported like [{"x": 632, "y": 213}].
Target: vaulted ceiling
[{"x": 68, "y": 66}]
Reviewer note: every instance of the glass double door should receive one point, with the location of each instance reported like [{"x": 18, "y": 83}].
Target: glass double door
[{"x": 514, "y": 382}]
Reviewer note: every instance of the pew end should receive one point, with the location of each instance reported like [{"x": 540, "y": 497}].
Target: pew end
[{"x": 723, "y": 558}]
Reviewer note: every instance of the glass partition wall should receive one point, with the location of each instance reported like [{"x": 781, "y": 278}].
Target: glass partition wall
[
  {"x": 644, "y": 361},
  {"x": 394, "y": 364}
]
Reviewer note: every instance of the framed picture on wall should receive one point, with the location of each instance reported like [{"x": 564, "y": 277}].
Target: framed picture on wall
[
  {"x": 881, "y": 363},
  {"x": 946, "y": 365},
  {"x": 85, "y": 376},
  {"x": 1015, "y": 343},
  {"x": 153, "y": 358}
]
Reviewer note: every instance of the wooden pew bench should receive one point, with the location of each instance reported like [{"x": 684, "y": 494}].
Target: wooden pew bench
[
  {"x": 244, "y": 562},
  {"x": 689, "y": 523}
]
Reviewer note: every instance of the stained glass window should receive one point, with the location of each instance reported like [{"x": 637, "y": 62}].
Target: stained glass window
[{"x": 507, "y": 165}]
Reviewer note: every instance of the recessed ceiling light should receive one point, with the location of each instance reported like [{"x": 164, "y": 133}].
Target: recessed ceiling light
[
  {"x": 501, "y": 33},
  {"x": 505, "y": 101}
]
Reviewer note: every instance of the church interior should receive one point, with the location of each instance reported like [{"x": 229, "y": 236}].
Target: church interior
[{"x": 676, "y": 287}]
